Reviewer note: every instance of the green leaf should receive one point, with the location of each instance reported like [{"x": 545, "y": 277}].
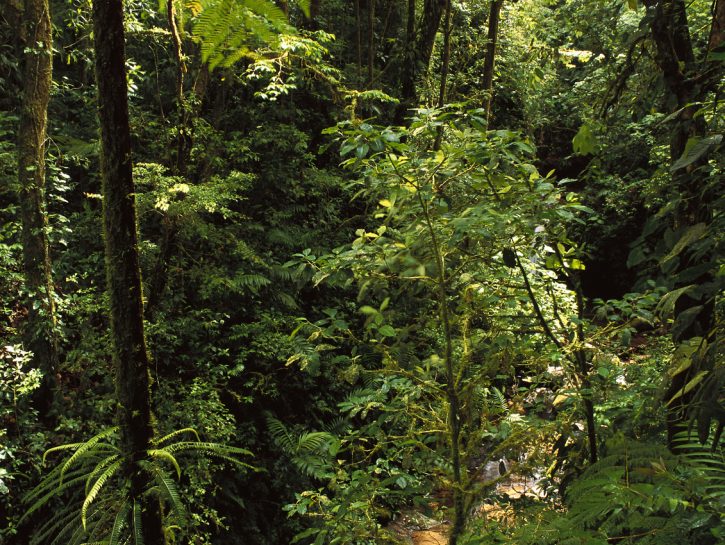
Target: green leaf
[
  {"x": 585, "y": 142},
  {"x": 696, "y": 148},
  {"x": 387, "y": 331},
  {"x": 688, "y": 387},
  {"x": 692, "y": 234},
  {"x": 684, "y": 320},
  {"x": 666, "y": 306}
]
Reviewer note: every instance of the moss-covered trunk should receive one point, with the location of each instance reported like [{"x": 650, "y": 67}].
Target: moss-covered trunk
[
  {"x": 40, "y": 331},
  {"x": 123, "y": 274}
]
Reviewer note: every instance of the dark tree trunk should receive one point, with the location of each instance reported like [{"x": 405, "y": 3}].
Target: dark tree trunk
[
  {"x": 358, "y": 41},
  {"x": 687, "y": 83},
  {"x": 430, "y": 22},
  {"x": 371, "y": 40},
  {"x": 40, "y": 329},
  {"x": 123, "y": 275},
  {"x": 418, "y": 56},
  {"x": 445, "y": 62},
  {"x": 489, "y": 63}
]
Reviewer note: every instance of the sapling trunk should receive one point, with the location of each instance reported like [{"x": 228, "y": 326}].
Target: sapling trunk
[{"x": 452, "y": 394}]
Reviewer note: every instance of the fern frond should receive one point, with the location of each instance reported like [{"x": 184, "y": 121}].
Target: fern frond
[
  {"x": 137, "y": 528},
  {"x": 251, "y": 282},
  {"x": 52, "y": 481},
  {"x": 164, "y": 455},
  {"x": 53, "y": 493},
  {"x": 118, "y": 524},
  {"x": 313, "y": 441},
  {"x": 59, "y": 448},
  {"x": 206, "y": 448},
  {"x": 227, "y": 27},
  {"x": 174, "y": 434},
  {"x": 280, "y": 435},
  {"x": 99, "y": 468},
  {"x": 107, "y": 474},
  {"x": 169, "y": 491},
  {"x": 51, "y": 527},
  {"x": 86, "y": 447}
]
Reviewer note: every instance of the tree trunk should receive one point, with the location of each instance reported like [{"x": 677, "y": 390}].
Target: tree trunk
[
  {"x": 123, "y": 275},
  {"x": 418, "y": 56},
  {"x": 40, "y": 330},
  {"x": 445, "y": 61},
  {"x": 371, "y": 41},
  {"x": 687, "y": 83},
  {"x": 494, "y": 17}
]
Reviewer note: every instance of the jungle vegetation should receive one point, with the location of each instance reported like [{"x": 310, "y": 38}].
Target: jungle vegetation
[{"x": 362, "y": 272}]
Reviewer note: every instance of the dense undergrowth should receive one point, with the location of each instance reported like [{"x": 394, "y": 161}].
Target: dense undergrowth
[{"x": 355, "y": 315}]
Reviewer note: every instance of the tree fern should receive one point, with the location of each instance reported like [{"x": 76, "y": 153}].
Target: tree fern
[{"x": 227, "y": 28}]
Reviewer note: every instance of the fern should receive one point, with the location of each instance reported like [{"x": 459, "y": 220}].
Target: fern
[
  {"x": 119, "y": 524},
  {"x": 309, "y": 451},
  {"x": 136, "y": 521},
  {"x": 227, "y": 28},
  {"x": 169, "y": 491},
  {"x": 106, "y": 510},
  {"x": 96, "y": 488},
  {"x": 709, "y": 461},
  {"x": 636, "y": 492}
]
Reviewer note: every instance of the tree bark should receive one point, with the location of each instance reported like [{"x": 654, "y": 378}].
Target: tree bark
[
  {"x": 445, "y": 61},
  {"x": 40, "y": 329},
  {"x": 371, "y": 40},
  {"x": 687, "y": 83},
  {"x": 717, "y": 31},
  {"x": 418, "y": 56},
  {"x": 489, "y": 62},
  {"x": 123, "y": 275}
]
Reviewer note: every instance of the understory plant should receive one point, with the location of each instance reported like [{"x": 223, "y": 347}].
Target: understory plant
[
  {"x": 460, "y": 294},
  {"x": 89, "y": 497}
]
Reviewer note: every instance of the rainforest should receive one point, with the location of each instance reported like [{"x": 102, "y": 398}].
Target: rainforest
[{"x": 361, "y": 272}]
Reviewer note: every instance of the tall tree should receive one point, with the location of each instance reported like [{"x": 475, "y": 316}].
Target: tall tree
[
  {"x": 689, "y": 80},
  {"x": 40, "y": 330},
  {"x": 494, "y": 17},
  {"x": 419, "y": 51},
  {"x": 123, "y": 275}
]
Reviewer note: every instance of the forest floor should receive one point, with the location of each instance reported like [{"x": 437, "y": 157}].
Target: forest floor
[{"x": 413, "y": 527}]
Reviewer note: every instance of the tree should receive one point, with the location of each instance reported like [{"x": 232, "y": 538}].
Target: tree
[
  {"x": 489, "y": 62},
  {"x": 689, "y": 81},
  {"x": 40, "y": 330},
  {"x": 419, "y": 50},
  {"x": 123, "y": 275}
]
